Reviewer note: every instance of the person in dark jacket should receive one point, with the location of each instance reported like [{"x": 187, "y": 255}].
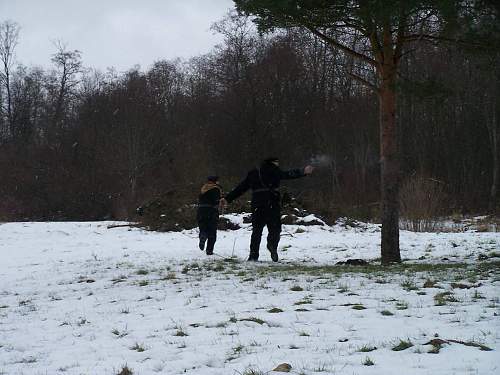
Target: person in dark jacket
[
  {"x": 264, "y": 182},
  {"x": 208, "y": 213}
]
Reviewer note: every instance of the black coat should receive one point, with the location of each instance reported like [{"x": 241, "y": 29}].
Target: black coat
[
  {"x": 208, "y": 202},
  {"x": 210, "y": 195},
  {"x": 264, "y": 183}
]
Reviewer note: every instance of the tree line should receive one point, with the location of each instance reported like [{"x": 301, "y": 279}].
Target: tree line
[{"x": 81, "y": 144}]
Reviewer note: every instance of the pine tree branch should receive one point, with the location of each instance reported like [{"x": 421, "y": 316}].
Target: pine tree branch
[
  {"x": 341, "y": 46},
  {"x": 364, "y": 82}
]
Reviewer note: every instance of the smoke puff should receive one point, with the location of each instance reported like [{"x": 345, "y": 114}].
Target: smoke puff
[{"x": 321, "y": 160}]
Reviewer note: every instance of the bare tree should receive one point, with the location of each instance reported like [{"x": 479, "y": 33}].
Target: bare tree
[
  {"x": 9, "y": 35},
  {"x": 493, "y": 126},
  {"x": 69, "y": 66}
]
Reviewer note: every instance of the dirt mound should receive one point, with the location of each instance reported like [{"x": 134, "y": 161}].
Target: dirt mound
[
  {"x": 168, "y": 212},
  {"x": 173, "y": 212}
]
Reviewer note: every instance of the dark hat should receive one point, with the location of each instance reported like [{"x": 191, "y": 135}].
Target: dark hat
[
  {"x": 271, "y": 160},
  {"x": 213, "y": 178}
]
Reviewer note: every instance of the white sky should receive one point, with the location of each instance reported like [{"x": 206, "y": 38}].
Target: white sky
[{"x": 119, "y": 33}]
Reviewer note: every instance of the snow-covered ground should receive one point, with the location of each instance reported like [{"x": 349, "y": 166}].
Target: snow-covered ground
[{"x": 79, "y": 298}]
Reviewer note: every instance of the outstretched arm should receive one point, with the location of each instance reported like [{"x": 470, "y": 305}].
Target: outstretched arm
[
  {"x": 239, "y": 190},
  {"x": 296, "y": 173}
]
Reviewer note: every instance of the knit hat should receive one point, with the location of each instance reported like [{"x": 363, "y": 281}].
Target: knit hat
[
  {"x": 271, "y": 160},
  {"x": 213, "y": 178}
]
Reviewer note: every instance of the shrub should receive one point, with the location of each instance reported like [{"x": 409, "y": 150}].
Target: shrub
[{"x": 421, "y": 202}]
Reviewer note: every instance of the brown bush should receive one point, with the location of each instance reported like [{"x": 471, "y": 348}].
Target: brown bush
[{"x": 421, "y": 202}]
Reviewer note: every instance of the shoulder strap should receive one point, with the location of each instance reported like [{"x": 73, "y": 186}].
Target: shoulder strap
[
  {"x": 262, "y": 180},
  {"x": 264, "y": 186}
]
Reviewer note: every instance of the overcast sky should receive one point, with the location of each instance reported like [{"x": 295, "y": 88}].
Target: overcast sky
[{"x": 119, "y": 33}]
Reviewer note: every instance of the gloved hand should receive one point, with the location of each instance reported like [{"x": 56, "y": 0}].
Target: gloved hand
[{"x": 308, "y": 169}]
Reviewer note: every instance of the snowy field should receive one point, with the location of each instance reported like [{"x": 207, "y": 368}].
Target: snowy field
[{"x": 79, "y": 298}]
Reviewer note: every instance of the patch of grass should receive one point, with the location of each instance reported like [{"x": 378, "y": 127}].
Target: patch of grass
[
  {"x": 368, "y": 362},
  {"x": 125, "y": 310},
  {"x": 142, "y": 271},
  {"x": 125, "y": 370},
  {"x": 82, "y": 321},
  {"x": 321, "y": 368},
  {"x": 170, "y": 276},
  {"x": 143, "y": 283},
  {"x": 253, "y": 371},
  {"x": 409, "y": 285},
  {"x": 443, "y": 298},
  {"x": 358, "y": 307},
  {"x": 343, "y": 288},
  {"x": 304, "y": 334},
  {"x": 253, "y": 319},
  {"x": 429, "y": 283},
  {"x": 274, "y": 310},
  {"x": 386, "y": 313},
  {"x": 138, "y": 347},
  {"x": 180, "y": 333},
  {"x": 28, "y": 360},
  {"x": 305, "y": 301},
  {"x": 218, "y": 268},
  {"x": 437, "y": 344},
  {"x": 401, "y": 305},
  {"x": 238, "y": 349},
  {"x": 402, "y": 345},
  {"x": 293, "y": 347},
  {"x": 296, "y": 288},
  {"x": 301, "y": 310},
  {"x": 119, "y": 334},
  {"x": 476, "y": 295},
  {"x": 366, "y": 349},
  {"x": 119, "y": 279},
  {"x": 377, "y": 270}
]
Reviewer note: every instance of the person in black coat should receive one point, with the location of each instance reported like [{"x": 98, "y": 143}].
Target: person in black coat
[
  {"x": 264, "y": 182},
  {"x": 208, "y": 213}
]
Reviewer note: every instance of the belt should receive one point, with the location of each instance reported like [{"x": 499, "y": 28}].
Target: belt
[
  {"x": 207, "y": 205},
  {"x": 263, "y": 189}
]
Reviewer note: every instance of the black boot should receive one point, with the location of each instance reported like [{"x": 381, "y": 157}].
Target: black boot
[
  {"x": 201, "y": 245},
  {"x": 274, "y": 253},
  {"x": 210, "y": 245},
  {"x": 253, "y": 257}
]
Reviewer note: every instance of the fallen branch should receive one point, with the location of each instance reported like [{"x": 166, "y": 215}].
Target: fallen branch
[{"x": 134, "y": 225}]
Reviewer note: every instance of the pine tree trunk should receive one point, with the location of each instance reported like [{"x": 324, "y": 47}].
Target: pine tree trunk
[
  {"x": 492, "y": 206},
  {"x": 389, "y": 168}
]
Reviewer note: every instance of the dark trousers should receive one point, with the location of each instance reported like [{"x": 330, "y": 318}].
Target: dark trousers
[
  {"x": 207, "y": 222},
  {"x": 262, "y": 216}
]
